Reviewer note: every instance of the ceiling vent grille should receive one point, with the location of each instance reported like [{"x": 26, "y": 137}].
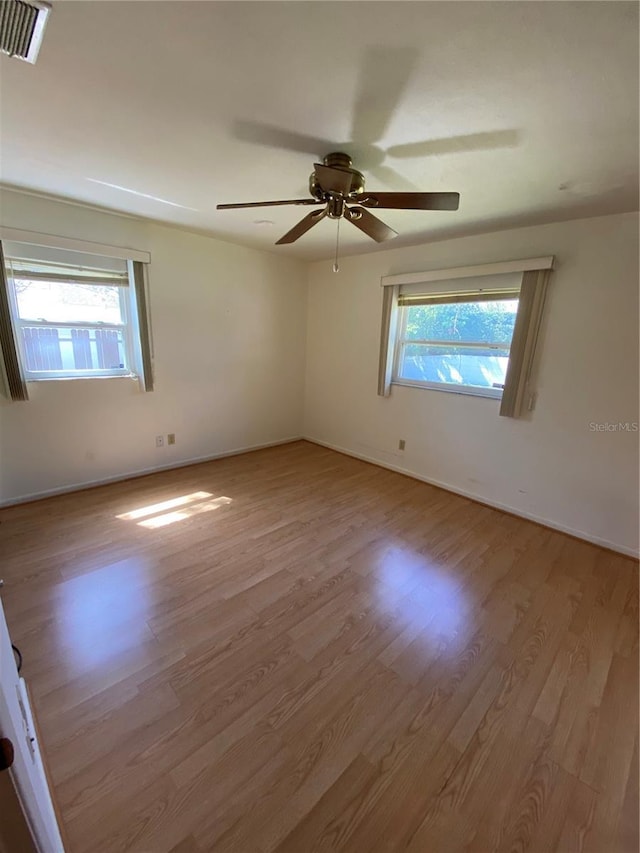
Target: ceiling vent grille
[{"x": 22, "y": 27}]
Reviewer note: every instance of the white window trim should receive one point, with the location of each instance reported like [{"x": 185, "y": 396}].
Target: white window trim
[
  {"x": 447, "y": 388},
  {"x": 17, "y": 235},
  {"x": 522, "y": 265}
]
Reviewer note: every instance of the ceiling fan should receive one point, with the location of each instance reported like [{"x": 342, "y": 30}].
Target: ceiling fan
[{"x": 339, "y": 192}]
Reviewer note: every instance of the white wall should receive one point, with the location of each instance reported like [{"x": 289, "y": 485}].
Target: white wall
[
  {"x": 229, "y": 335},
  {"x": 551, "y": 466}
]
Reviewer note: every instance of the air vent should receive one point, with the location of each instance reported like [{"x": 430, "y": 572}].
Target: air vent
[{"x": 22, "y": 27}]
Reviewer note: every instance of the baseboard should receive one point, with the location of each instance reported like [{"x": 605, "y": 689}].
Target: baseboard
[
  {"x": 544, "y": 522},
  {"x": 143, "y": 472},
  {"x": 185, "y": 463}
]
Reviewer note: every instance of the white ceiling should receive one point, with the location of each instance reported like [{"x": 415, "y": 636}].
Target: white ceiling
[{"x": 528, "y": 109}]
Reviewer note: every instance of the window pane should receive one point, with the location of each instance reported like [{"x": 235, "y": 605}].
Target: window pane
[
  {"x": 67, "y": 302},
  {"x": 492, "y": 322},
  {"x": 47, "y": 348},
  {"x": 482, "y": 368}
]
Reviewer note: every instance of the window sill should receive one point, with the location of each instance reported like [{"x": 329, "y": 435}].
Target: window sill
[
  {"x": 466, "y": 390},
  {"x": 30, "y": 379}
]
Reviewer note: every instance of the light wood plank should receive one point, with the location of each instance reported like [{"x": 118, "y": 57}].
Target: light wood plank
[{"x": 333, "y": 658}]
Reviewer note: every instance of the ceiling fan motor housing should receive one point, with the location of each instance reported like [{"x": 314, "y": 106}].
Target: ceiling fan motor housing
[{"x": 337, "y": 160}]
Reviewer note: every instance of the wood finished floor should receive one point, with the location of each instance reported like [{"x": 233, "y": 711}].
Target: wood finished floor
[{"x": 302, "y": 652}]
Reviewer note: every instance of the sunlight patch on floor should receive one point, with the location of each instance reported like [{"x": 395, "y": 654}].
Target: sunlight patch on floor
[
  {"x": 153, "y": 509},
  {"x": 187, "y": 512}
]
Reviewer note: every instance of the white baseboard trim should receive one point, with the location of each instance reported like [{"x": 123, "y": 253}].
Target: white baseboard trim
[
  {"x": 185, "y": 463},
  {"x": 545, "y": 522},
  {"x": 143, "y": 472}
]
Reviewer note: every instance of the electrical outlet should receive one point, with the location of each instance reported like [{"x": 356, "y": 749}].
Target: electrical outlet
[
  {"x": 159, "y": 441},
  {"x": 401, "y": 444},
  {"x": 171, "y": 438}
]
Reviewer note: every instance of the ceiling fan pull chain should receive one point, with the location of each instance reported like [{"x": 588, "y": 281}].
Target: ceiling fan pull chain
[{"x": 336, "y": 268}]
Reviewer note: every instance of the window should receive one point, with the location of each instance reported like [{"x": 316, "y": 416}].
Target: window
[
  {"x": 70, "y": 321},
  {"x": 73, "y": 315},
  {"x": 455, "y": 342},
  {"x": 472, "y": 330}
]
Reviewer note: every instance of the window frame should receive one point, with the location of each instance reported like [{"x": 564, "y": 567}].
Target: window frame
[
  {"x": 12, "y": 382},
  {"x": 519, "y": 395},
  {"x": 125, "y": 295},
  {"x": 400, "y": 342}
]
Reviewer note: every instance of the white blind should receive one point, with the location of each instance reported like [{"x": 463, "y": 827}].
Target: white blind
[
  {"x": 480, "y": 286},
  {"x": 44, "y": 263}
]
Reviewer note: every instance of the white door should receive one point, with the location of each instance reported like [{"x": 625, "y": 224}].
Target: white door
[{"x": 27, "y": 772}]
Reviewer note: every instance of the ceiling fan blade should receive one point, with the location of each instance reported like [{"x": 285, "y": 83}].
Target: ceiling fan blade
[
  {"x": 303, "y": 226},
  {"x": 370, "y": 224},
  {"x": 268, "y": 203},
  {"x": 333, "y": 180},
  {"x": 455, "y": 144},
  {"x": 410, "y": 201},
  {"x": 384, "y": 75}
]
